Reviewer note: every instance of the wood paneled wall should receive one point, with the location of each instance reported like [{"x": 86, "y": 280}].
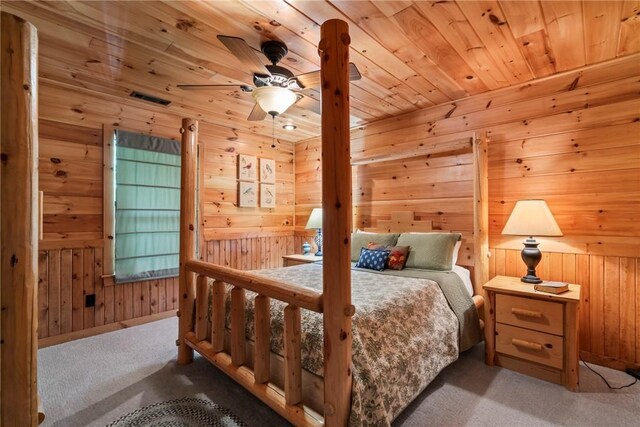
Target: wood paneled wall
[
  {"x": 70, "y": 173},
  {"x": 67, "y": 275},
  {"x": 251, "y": 253},
  {"x": 438, "y": 187},
  {"x": 71, "y": 162},
  {"x": 223, "y": 219},
  {"x": 570, "y": 139}
]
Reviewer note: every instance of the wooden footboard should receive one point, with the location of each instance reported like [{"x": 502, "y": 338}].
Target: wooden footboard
[{"x": 254, "y": 374}]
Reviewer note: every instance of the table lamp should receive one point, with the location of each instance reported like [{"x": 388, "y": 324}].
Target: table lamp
[
  {"x": 529, "y": 218},
  {"x": 315, "y": 221}
]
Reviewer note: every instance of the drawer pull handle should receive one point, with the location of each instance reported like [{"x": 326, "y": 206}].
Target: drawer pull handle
[
  {"x": 526, "y": 344},
  {"x": 526, "y": 313}
]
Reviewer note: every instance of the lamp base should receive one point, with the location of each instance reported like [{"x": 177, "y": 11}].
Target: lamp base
[
  {"x": 318, "y": 241},
  {"x": 531, "y": 279},
  {"x": 531, "y": 256}
]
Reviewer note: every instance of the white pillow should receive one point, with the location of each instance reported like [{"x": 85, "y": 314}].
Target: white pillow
[{"x": 456, "y": 249}]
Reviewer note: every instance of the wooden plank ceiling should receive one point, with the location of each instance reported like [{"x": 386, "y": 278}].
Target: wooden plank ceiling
[{"x": 411, "y": 55}]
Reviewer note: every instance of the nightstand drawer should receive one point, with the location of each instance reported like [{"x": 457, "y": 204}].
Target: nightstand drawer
[
  {"x": 539, "y": 315},
  {"x": 530, "y": 345}
]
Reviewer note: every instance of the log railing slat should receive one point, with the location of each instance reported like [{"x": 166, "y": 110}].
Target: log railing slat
[
  {"x": 286, "y": 292},
  {"x": 261, "y": 365},
  {"x": 292, "y": 365},
  {"x": 238, "y": 353},
  {"x": 217, "y": 315},
  {"x": 202, "y": 307}
]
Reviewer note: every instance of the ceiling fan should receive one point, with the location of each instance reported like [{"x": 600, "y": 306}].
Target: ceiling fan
[{"x": 275, "y": 88}]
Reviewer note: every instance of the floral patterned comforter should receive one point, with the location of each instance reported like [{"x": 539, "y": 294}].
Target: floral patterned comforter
[{"x": 404, "y": 334}]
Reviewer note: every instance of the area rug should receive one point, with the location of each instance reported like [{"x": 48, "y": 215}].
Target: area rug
[{"x": 185, "y": 412}]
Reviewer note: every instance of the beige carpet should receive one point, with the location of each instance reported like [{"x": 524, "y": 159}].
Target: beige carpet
[{"x": 93, "y": 381}]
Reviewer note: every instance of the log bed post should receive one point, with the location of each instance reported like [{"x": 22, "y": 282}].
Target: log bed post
[
  {"x": 19, "y": 219},
  {"x": 336, "y": 205},
  {"x": 188, "y": 236},
  {"x": 481, "y": 211}
]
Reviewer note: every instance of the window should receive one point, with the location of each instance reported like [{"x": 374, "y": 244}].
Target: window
[{"x": 147, "y": 213}]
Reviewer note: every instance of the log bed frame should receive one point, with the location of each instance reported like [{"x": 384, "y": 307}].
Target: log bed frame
[{"x": 300, "y": 397}]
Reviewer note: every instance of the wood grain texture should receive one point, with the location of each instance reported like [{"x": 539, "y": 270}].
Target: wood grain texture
[
  {"x": 411, "y": 55},
  {"x": 337, "y": 215},
  {"x": 19, "y": 222},
  {"x": 607, "y": 318},
  {"x": 188, "y": 236}
]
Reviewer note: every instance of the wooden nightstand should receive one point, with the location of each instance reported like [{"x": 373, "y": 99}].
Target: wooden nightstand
[
  {"x": 295, "y": 259},
  {"x": 535, "y": 333}
]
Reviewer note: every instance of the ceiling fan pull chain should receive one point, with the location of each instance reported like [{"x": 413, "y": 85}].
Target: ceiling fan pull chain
[{"x": 273, "y": 131}]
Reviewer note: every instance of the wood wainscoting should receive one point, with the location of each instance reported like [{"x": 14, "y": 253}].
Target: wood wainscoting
[
  {"x": 250, "y": 253},
  {"x": 67, "y": 275},
  {"x": 610, "y": 299}
]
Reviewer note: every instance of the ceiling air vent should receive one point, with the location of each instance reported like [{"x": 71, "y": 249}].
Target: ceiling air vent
[{"x": 149, "y": 98}]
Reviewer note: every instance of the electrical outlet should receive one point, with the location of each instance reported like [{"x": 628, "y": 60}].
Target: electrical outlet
[{"x": 90, "y": 300}]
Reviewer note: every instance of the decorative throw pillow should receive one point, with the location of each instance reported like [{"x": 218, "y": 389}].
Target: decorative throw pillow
[
  {"x": 397, "y": 254},
  {"x": 372, "y": 260},
  {"x": 397, "y": 257},
  {"x": 361, "y": 240}
]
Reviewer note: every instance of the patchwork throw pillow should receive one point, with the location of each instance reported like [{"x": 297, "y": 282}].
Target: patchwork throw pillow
[
  {"x": 397, "y": 257},
  {"x": 373, "y": 260}
]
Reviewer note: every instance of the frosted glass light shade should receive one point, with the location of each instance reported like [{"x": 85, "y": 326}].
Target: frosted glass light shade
[
  {"x": 315, "y": 219},
  {"x": 274, "y": 100},
  {"x": 531, "y": 218}
]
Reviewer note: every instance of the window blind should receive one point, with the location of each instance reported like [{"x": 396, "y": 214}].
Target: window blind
[{"x": 147, "y": 207}]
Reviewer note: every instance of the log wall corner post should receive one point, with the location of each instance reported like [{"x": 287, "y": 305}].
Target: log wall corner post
[
  {"x": 481, "y": 210},
  {"x": 188, "y": 236},
  {"x": 336, "y": 205},
  {"x": 19, "y": 223}
]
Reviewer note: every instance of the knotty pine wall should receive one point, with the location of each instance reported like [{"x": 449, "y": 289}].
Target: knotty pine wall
[
  {"x": 72, "y": 253},
  {"x": 572, "y": 139}
]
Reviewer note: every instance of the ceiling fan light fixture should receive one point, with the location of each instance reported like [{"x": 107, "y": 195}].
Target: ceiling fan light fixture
[{"x": 274, "y": 100}]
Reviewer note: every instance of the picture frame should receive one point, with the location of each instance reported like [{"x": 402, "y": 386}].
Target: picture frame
[
  {"x": 247, "y": 167},
  {"x": 247, "y": 194},
  {"x": 268, "y": 171},
  {"x": 267, "y": 195}
]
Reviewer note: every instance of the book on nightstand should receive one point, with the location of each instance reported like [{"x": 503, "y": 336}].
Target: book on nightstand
[{"x": 552, "y": 287}]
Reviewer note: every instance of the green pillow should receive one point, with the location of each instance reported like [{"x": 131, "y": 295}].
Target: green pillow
[
  {"x": 361, "y": 240},
  {"x": 429, "y": 251}
]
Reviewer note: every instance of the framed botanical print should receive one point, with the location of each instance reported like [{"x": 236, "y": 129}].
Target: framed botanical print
[
  {"x": 247, "y": 194},
  {"x": 267, "y": 195},
  {"x": 268, "y": 171},
  {"x": 247, "y": 167}
]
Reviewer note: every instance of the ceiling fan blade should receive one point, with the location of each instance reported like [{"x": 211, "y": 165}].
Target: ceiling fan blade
[
  {"x": 308, "y": 80},
  {"x": 256, "y": 114},
  {"x": 245, "y": 54},
  {"x": 309, "y": 103},
  {"x": 312, "y": 79},
  {"x": 244, "y": 88},
  {"x": 354, "y": 74}
]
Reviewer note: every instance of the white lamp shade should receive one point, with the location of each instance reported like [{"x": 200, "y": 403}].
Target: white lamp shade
[
  {"x": 274, "y": 99},
  {"x": 531, "y": 218},
  {"x": 315, "y": 219}
]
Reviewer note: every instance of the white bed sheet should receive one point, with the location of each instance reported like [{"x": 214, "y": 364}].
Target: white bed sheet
[{"x": 465, "y": 275}]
